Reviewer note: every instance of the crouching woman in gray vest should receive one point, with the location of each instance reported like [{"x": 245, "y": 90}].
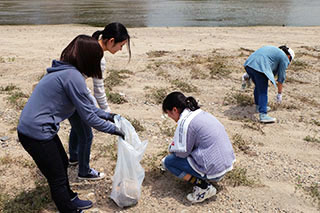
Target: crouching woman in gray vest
[{"x": 201, "y": 149}]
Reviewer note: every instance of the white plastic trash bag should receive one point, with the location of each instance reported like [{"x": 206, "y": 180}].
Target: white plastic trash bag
[{"x": 129, "y": 174}]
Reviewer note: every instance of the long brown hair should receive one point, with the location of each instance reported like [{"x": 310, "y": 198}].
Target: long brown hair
[{"x": 85, "y": 53}]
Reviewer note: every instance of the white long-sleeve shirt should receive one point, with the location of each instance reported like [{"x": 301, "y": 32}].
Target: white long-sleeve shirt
[{"x": 99, "y": 92}]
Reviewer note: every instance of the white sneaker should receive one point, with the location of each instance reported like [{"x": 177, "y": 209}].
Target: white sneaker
[
  {"x": 198, "y": 195},
  {"x": 162, "y": 166}
]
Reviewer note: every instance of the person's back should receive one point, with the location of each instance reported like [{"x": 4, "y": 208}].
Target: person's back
[
  {"x": 48, "y": 104},
  {"x": 267, "y": 59},
  {"x": 212, "y": 152},
  {"x": 200, "y": 150},
  {"x": 263, "y": 65}
]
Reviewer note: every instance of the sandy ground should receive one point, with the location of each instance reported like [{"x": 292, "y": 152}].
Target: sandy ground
[{"x": 277, "y": 168}]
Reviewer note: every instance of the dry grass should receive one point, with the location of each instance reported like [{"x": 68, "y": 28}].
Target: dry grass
[
  {"x": 240, "y": 99},
  {"x": 156, "y": 95},
  {"x": 238, "y": 177},
  {"x": 157, "y": 53}
]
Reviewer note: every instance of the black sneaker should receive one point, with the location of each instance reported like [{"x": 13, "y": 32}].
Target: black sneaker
[
  {"x": 81, "y": 204},
  {"x": 92, "y": 175}
]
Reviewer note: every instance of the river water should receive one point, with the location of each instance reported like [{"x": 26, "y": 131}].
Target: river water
[{"x": 155, "y": 13}]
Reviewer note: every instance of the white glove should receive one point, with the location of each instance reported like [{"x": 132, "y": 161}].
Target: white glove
[
  {"x": 279, "y": 98},
  {"x": 245, "y": 81}
]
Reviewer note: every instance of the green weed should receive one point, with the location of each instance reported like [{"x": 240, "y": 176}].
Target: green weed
[
  {"x": 157, "y": 53},
  {"x": 136, "y": 124},
  {"x": 312, "y": 139},
  {"x": 298, "y": 65},
  {"x": 112, "y": 150},
  {"x": 163, "y": 73},
  {"x": 115, "y": 78},
  {"x": 156, "y": 95},
  {"x": 6, "y": 160},
  {"x": 218, "y": 69},
  {"x": 9, "y": 88},
  {"x": 307, "y": 100},
  {"x": 294, "y": 80},
  {"x": 254, "y": 126},
  {"x": 239, "y": 143},
  {"x": 238, "y": 177},
  {"x": 276, "y": 106},
  {"x": 240, "y": 99},
  {"x": 30, "y": 201},
  {"x": 115, "y": 97},
  {"x": 8, "y": 59},
  {"x": 316, "y": 122},
  {"x": 312, "y": 189},
  {"x": 183, "y": 86},
  {"x": 198, "y": 74},
  {"x": 151, "y": 161},
  {"x": 18, "y": 99}
]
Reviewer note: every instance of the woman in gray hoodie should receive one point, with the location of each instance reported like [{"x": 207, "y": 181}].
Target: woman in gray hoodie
[{"x": 56, "y": 97}]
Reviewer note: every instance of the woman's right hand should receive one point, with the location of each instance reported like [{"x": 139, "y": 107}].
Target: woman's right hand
[{"x": 120, "y": 133}]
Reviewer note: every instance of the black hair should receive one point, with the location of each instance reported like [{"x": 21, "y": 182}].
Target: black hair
[
  {"x": 285, "y": 49},
  {"x": 180, "y": 101},
  {"x": 84, "y": 53},
  {"x": 114, "y": 30}
]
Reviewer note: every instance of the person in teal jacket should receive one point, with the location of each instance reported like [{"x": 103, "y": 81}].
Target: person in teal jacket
[{"x": 263, "y": 65}]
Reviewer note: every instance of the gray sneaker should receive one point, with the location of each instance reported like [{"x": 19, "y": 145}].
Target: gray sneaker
[{"x": 264, "y": 118}]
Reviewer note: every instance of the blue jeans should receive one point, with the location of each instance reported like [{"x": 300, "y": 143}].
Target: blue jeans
[
  {"x": 260, "y": 81},
  {"x": 180, "y": 167},
  {"x": 52, "y": 160},
  {"x": 80, "y": 140}
]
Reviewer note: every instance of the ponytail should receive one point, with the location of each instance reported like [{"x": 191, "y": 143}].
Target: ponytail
[
  {"x": 192, "y": 104},
  {"x": 97, "y": 34},
  {"x": 180, "y": 101}
]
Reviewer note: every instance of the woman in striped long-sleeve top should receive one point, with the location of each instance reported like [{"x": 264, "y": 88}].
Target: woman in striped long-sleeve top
[{"x": 111, "y": 39}]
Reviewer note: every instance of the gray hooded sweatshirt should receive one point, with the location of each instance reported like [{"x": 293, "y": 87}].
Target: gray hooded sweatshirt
[{"x": 56, "y": 97}]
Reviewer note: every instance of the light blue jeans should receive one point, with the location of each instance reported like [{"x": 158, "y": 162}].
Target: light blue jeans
[
  {"x": 260, "y": 81},
  {"x": 80, "y": 140},
  {"x": 180, "y": 167}
]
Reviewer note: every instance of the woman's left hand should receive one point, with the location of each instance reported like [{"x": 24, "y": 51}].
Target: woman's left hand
[{"x": 111, "y": 117}]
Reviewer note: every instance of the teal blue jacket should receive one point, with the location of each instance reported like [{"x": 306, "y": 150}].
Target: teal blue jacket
[{"x": 271, "y": 61}]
